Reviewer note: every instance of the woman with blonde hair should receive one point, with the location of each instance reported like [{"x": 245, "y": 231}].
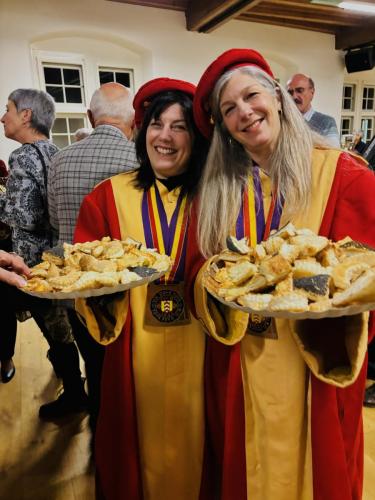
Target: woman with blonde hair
[{"x": 283, "y": 399}]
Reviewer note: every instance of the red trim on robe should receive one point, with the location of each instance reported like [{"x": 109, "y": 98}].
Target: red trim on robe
[
  {"x": 116, "y": 445},
  {"x": 337, "y": 431}
]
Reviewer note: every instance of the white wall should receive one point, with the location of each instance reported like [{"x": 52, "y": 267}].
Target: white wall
[{"x": 154, "y": 42}]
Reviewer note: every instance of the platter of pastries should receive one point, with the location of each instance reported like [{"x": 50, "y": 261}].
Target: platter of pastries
[
  {"x": 95, "y": 268},
  {"x": 294, "y": 274}
]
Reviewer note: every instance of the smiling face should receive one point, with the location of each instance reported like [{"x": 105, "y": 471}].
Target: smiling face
[
  {"x": 250, "y": 114},
  {"x": 12, "y": 120},
  {"x": 169, "y": 143},
  {"x": 301, "y": 91}
]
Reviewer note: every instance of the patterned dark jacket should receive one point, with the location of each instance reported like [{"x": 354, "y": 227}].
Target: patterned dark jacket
[
  {"x": 24, "y": 205},
  {"x": 78, "y": 168}
]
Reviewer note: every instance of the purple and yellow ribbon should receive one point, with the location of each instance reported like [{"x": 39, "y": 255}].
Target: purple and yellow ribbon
[
  {"x": 251, "y": 221},
  {"x": 167, "y": 238}
]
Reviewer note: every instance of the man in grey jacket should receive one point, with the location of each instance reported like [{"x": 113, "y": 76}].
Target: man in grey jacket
[
  {"x": 302, "y": 90},
  {"x": 73, "y": 173},
  {"x": 107, "y": 151}
]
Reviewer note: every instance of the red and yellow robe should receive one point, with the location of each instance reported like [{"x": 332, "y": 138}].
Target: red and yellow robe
[
  {"x": 150, "y": 432},
  {"x": 285, "y": 415}
]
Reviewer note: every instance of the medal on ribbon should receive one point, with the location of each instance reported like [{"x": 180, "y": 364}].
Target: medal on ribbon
[
  {"x": 251, "y": 222},
  {"x": 166, "y": 305}
]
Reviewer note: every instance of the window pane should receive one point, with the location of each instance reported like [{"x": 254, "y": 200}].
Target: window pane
[
  {"x": 71, "y": 77},
  {"x": 56, "y": 92},
  {"x": 347, "y": 91},
  {"x": 106, "y": 77},
  {"x": 73, "y": 95},
  {"x": 59, "y": 126},
  {"x": 52, "y": 75},
  {"x": 371, "y": 93},
  {"x": 75, "y": 124},
  {"x": 123, "y": 78},
  {"x": 347, "y": 104},
  {"x": 60, "y": 140}
]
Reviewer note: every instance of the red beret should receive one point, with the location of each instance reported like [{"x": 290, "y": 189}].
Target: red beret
[
  {"x": 145, "y": 94},
  {"x": 230, "y": 59}
]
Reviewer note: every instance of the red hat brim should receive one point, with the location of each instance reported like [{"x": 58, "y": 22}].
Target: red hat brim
[
  {"x": 230, "y": 59},
  {"x": 154, "y": 87}
]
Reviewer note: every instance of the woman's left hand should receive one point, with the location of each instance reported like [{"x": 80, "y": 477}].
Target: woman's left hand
[{"x": 11, "y": 268}]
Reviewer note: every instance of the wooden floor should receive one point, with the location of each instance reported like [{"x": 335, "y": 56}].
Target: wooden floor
[{"x": 46, "y": 461}]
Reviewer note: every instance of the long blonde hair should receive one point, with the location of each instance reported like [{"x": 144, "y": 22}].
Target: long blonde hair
[{"x": 229, "y": 165}]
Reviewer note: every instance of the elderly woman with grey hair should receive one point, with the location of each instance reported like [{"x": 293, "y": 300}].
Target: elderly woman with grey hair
[{"x": 28, "y": 120}]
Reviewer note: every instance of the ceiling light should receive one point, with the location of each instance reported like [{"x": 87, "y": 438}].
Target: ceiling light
[{"x": 358, "y": 6}]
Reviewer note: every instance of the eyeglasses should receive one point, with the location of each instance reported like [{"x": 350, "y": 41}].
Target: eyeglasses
[{"x": 298, "y": 90}]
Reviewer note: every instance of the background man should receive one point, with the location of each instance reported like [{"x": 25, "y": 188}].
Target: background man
[
  {"x": 75, "y": 170},
  {"x": 302, "y": 90}
]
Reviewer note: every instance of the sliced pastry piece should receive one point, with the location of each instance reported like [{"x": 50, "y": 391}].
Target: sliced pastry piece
[
  {"x": 309, "y": 245},
  {"x": 113, "y": 250},
  {"x": 293, "y": 302},
  {"x": 289, "y": 252},
  {"x": 61, "y": 282},
  {"x": 53, "y": 271},
  {"x": 238, "y": 246},
  {"x": 273, "y": 244},
  {"x": 321, "y": 305},
  {"x": 285, "y": 231},
  {"x": 274, "y": 269},
  {"x": 52, "y": 257},
  {"x": 256, "y": 301},
  {"x": 328, "y": 257},
  {"x": 241, "y": 272},
  {"x": 344, "y": 273},
  {"x": 284, "y": 286},
  {"x": 38, "y": 285},
  {"x": 314, "y": 287},
  {"x": 361, "y": 290},
  {"x": 231, "y": 294},
  {"x": 127, "y": 276},
  {"x": 259, "y": 253},
  {"x": 303, "y": 268},
  {"x": 228, "y": 256},
  {"x": 367, "y": 257},
  {"x": 350, "y": 247}
]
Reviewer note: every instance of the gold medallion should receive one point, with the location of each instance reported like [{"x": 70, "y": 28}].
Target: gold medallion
[
  {"x": 166, "y": 305},
  {"x": 261, "y": 326}
]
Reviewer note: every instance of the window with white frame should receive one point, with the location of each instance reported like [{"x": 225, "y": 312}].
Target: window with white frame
[
  {"x": 358, "y": 108},
  {"x": 64, "y": 83},
  {"x": 64, "y": 128},
  {"x": 346, "y": 125},
  {"x": 348, "y": 96},
  {"x": 123, "y": 76},
  {"x": 367, "y": 127},
  {"x": 368, "y": 98}
]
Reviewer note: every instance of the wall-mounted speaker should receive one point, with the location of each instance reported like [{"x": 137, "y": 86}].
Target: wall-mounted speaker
[{"x": 360, "y": 59}]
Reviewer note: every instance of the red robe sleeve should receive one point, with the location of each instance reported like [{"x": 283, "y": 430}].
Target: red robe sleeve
[
  {"x": 98, "y": 215},
  {"x": 336, "y": 414}
]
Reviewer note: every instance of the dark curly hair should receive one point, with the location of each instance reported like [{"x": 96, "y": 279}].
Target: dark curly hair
[{"x": 145, "y": 175}]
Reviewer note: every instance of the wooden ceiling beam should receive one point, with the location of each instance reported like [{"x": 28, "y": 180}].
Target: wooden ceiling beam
[
  {"x": 338, "y": 17},
  {"x": 287, "y": 23},
  {"x": 210, "y": 14},
  {"x": 304, "y": 17},
  {"x": 179, "y": 5},
  {"x": 350, "y": 38}
]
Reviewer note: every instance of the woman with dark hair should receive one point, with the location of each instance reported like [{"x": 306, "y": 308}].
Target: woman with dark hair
[
  {"x": 149, "y": 439},
  {"x": 284, "y": 398}
]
